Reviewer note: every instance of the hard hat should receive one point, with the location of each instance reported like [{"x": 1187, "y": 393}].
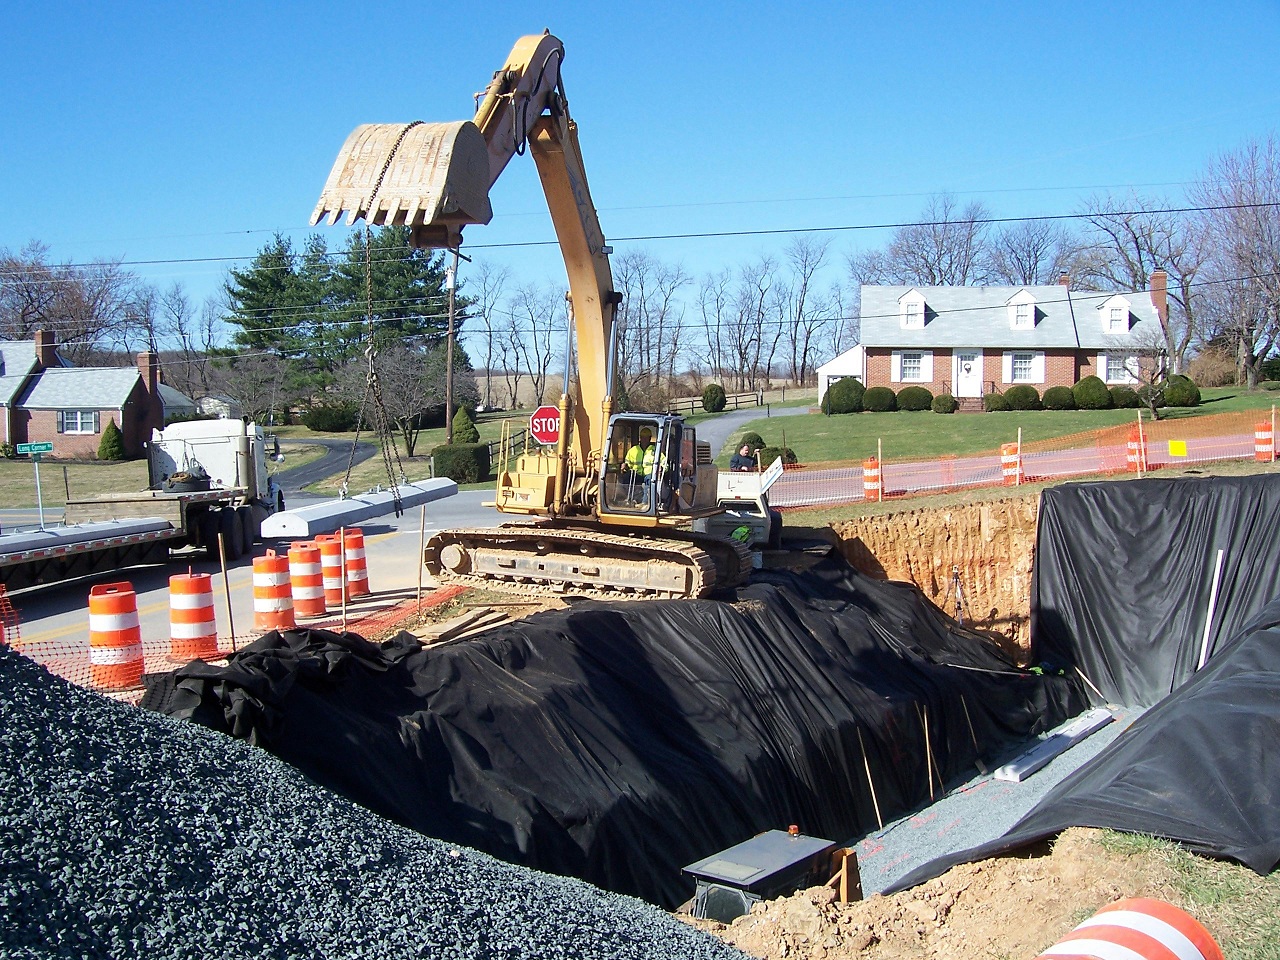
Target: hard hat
[{"x": 646, "y": 433}]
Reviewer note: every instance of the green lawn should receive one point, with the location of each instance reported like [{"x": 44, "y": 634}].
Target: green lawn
[{"x": 852, "y": 437}]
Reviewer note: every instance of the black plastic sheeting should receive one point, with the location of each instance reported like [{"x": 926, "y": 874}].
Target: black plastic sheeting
[
  {"x": 1124, "y": 571},
  {"x": 619, "y": 742},
  {"x": 1201, "y": 768}
]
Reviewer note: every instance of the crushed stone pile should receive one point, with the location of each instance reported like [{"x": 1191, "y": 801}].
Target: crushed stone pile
[{"x": 128, "y": 834}]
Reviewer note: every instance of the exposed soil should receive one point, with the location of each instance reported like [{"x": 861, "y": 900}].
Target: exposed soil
[
  {"x": 987, "y": 547},
  {"x": 1011, "y": 907}
]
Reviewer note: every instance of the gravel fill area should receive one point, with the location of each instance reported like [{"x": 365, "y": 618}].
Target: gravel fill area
[
  {"x": 976, "y": 812},
  {"x": 125, "y": 833}
]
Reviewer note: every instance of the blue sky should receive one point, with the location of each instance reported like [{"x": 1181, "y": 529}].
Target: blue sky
[{"x": 176, "y": 132}]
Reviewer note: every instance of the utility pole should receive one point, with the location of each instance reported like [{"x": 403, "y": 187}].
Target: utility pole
[{"x": 451, "y": 281}]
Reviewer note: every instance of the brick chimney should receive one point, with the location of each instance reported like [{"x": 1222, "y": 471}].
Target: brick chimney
[
  {"x": 1064, "y": 279},
  {"x": 149, "y": 368},
  {"x": 1160, "y": 293},
  {"x": 46, "y": 350}
]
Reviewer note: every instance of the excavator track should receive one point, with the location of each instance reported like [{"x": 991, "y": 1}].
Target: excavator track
[{"x": 586, "y": 561}]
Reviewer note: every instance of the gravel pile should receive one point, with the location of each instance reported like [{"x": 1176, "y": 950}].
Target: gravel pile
[{"x": 129, "y": 834}]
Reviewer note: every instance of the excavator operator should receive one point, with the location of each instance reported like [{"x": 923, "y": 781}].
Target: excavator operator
[{"x": 640, "y": 459}]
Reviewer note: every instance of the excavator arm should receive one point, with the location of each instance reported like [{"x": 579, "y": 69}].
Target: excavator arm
[{"x": 435, "y": 179}]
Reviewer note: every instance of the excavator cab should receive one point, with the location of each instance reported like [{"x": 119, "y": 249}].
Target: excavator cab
[{"x": 651, "y": 469}]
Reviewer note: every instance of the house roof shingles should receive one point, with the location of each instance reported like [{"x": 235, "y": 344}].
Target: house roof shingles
[
  {"x": 84, "y": 388},
  {"x": 17, "y": 359},
  {"x": 979, "y": 317}
]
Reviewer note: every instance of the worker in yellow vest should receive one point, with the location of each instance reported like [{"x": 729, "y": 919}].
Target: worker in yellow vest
[{"x": 640, "y": 460}]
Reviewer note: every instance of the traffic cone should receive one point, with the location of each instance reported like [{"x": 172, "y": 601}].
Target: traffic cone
[
  {"x": 115, "y": 637},
  {"x": 193, "y": 629}
]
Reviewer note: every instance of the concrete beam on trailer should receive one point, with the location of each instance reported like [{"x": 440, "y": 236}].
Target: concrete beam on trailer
[
  {"x": 305, "y": 522},
  {"x": 60, "y": 536}
]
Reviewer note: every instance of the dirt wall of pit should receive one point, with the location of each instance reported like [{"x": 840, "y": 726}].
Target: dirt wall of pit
[{"x": 991, "y": 545}]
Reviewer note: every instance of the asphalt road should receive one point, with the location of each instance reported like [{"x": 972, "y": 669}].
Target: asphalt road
[
  {"x": 337, "y": 455},
  {"x": 725, "y": 427}
]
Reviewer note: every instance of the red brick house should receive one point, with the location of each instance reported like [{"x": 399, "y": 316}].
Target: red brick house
[
  {"x": 45, "y": 399},
  {"x": 969, "y": 341}
]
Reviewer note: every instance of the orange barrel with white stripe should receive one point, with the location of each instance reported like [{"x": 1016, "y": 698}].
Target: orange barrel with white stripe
[
  {"x": 1010, "y": 465},
  {"x": 1137, "y": 929},
  {"x": 306, "y": 581},
  {"x": 357, "y": 569},
  {"x": 331, "y": 572},
  {"x": 272, "y": 593},
  {"x": 1135, "y": 455},
  {"x": 115, "y": 637},
  {"x": 1264, "y": 443},
  {"x": 871, "y": 486},
  {"x": 193, "y": 629}
]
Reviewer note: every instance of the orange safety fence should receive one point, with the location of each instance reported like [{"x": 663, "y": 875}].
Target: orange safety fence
[
  {"x": 1134, "y": 447},
  {"x": 67, "y": 652}
]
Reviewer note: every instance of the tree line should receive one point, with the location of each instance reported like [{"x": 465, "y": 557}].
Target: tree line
[{"x": 299, "y": 319}]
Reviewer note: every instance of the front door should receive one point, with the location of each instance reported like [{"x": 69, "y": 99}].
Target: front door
[{"x": 968, "y": 373}]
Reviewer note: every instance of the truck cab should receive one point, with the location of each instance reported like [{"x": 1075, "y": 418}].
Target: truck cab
[{"x": 214, "y": 455}]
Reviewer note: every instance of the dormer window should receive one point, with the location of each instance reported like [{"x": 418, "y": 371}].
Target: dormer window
[
  {"x": 1115, "y": 315},
  {"x": 1022, "y": 311},
  {"x": 911, "y": 311}
]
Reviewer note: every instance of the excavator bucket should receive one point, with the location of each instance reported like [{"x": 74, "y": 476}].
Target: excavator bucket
[{"x": 431, "y": 177}]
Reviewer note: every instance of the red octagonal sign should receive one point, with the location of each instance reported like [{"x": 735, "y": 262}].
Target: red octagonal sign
[{"x": 545, "y": 424}]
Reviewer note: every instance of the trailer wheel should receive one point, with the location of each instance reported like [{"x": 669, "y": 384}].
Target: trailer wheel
[
  {"x": 232, "y": 533},
  {"x": 248, "y": 524}
]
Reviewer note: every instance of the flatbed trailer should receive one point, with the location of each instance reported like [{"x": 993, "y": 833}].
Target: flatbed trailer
[{"x": 50, "y": 556}]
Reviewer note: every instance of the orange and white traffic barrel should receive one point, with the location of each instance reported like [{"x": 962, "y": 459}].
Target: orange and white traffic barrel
[
  {"x": 331, "y": 572},
  {"x": 272, "y": 593},
  {"x": 1264, "y": 442},
  {"x": 872, "y": 489},
  {"x": 1010, "y": 464},
  {"x": 1137, "y": 929},
  {"x": 193, "y": 629},
  {"x": 306, "y": 580},
  {"x": 115, "y": 637},
  {"x": 357, "y": 569}
]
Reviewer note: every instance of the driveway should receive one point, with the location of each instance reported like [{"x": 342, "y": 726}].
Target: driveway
[
  {"x": 719, "y": 431},
  {"x": 337, "y": 454}
]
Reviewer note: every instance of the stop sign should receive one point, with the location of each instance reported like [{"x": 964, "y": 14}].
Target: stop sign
[{"x": 545, "y": 424}]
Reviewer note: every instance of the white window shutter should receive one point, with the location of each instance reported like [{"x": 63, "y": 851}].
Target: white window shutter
[
  {"x": 895, "y": 367},
  {"x": 926, "y": 366},
  {"x": 1037, "y": 367},
  {"x": 1102, "y": 367},
  {"x": 1006, "y": 367}
]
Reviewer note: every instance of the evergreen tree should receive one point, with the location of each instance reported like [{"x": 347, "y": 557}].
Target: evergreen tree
[
  {"x": 270, "y": 300},
  {"x": 464, "y": 428},
  {"x": 111, "y": 446}
]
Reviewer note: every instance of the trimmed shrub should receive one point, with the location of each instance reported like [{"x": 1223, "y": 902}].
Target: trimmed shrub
[
  {"x": 1125, "y": 398},
  {"x": 462, "y": 462},
  {"x": 111, "y": 446},
  {"x": 332, "y": 417},
  {"x": 1092, "y": 394},
  {"x": 995, "y": 403},
  {"x": 945, "y": 403},
  {"x": 770, "y": 454},
  {"x": 1023, "y": 396},
  {"x": 1269, "y": 369},
  {"x": 713, "y": 398},
  {"x": 879, "y": 400},
  {"x": 844, "y": 396},
  {"x": 1180, "y": 391},
  {"x": 464, "y": 428},
  {"x": 751, "y": 439},
  {"x": 914, "y": 398},
  {"x": 1145, "y": 392},
  {"x": 1059, "y": 398}
]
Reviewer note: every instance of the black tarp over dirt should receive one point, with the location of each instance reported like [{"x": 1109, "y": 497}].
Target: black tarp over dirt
[
  {"x": 1124, "y": 571},
  {"x": 1202, "y": 767},
  {"x": 619, "y": 742}
]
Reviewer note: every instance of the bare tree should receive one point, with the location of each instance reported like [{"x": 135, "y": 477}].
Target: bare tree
[
  {"x": 714, "y": 295},
  {"x": 802, "y": 311},
  {"x": 488, "y": 283},
  {"x": 255, "y": 381},
  {"x": 1128, "y": 241},
  {"x": 533, "y": 316},
  {"x": 1243, "y": 189},
  {"x": 752, "y": 329},
  {"x": 653, "y": 329},
  {"x": 1030, "y": 253}
]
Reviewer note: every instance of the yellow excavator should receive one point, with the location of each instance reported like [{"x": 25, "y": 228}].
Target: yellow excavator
[{"x": 608, "y": 507}]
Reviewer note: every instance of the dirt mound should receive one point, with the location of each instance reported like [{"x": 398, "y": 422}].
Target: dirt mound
[{"x": 1008, "y": 907}]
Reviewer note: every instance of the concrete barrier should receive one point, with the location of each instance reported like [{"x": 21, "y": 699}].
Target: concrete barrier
[{"x": 306, "y": 522}]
